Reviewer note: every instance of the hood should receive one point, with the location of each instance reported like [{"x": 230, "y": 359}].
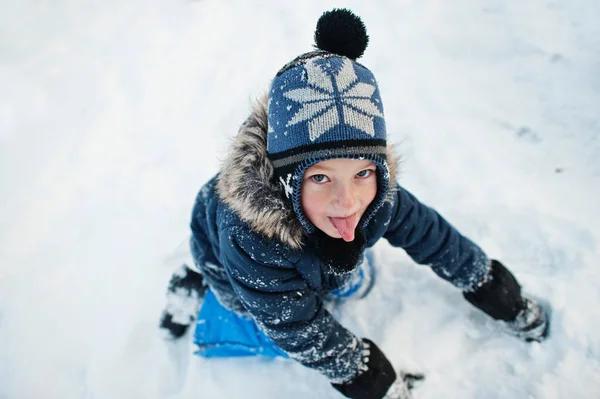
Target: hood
[{"x": 247, "y": 186}]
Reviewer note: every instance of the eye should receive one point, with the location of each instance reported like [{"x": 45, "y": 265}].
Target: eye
[
  {"x": 320, "y": 179},
  {"x": 363, "y": 174}
]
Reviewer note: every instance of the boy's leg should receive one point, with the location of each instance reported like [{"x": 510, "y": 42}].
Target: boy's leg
[
  {"x": 184, "y": 298},
  {"x": 501, "y": 298}
]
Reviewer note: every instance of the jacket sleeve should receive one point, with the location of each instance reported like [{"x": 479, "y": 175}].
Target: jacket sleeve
[
  {"x": 429, "y": 239},
  {"x": 287, "y": 310}
]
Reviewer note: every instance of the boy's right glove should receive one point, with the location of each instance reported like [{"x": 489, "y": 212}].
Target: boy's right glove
[{"x": 377, "y": 379}]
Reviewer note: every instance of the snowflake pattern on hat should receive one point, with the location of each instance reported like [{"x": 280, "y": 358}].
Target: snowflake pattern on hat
[
  {"x": 326, "y": 99},
  {"x": 325, "y": 95}
]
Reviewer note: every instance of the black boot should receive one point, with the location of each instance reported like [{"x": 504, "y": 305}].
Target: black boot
[
  {"x": 500, "y": 297},
  {"x": 184, "y": 298}
]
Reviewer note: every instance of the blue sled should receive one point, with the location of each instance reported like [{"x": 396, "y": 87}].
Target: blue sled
[{"x": 222, "y": 333}]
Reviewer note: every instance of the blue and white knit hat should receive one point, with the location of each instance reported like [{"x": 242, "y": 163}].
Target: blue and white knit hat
[{"x": 324, "y": 105}]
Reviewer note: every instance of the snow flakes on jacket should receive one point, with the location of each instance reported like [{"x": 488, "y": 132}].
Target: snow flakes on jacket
[{"x": 253, "y": 252}]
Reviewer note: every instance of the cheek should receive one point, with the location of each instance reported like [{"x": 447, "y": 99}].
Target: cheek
[
  {"x": 373, "y": 191},
  {"x": 312, "y": 203},
  {"x": 368, "y": 193}
]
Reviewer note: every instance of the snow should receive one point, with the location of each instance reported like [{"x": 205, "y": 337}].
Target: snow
[{"x": 113, "y": 114}]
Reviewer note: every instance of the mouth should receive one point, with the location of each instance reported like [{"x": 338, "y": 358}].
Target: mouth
[{"x": 345, "y": 226}]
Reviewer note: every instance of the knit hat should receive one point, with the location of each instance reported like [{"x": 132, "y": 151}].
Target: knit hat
[{"x": 325, "y": 105}]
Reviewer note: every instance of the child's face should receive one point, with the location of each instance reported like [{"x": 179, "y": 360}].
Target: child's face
[{"x": 336, "y": 193}]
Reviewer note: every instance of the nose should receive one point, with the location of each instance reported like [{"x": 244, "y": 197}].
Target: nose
[{"x": 345, "y": 198}]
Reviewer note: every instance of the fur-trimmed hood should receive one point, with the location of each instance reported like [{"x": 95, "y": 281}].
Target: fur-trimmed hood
[{"x": 247, "y": 186}]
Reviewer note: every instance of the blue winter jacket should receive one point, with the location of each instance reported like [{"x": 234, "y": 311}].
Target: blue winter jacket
[{"x": 250, "y": 248}]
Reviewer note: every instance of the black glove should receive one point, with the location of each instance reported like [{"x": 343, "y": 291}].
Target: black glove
[
  {"x": 184, "y": 298},
  {"x": 500, "y": 297},
  {"x": 378, "y": 376}
]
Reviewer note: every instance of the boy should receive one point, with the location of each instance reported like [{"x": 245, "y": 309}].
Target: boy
[{"x": 308, "y": 185}]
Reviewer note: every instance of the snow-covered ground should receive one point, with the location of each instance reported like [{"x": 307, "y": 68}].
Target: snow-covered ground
[{"x": 113, "y": 114}]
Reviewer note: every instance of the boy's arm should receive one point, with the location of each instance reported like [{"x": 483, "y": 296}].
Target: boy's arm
[
  {"x": 288, "y": 311},
  {"x": 429, "y": 239},
  {"x": 293, "y": 316}
]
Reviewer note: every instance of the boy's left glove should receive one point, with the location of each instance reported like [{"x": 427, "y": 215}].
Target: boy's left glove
[
  {"x": 500, "y": 297},
  {"x": 184, "y": 299},
  {"x": 377, "y": 379}
]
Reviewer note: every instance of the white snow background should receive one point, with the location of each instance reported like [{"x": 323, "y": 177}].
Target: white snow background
[{"x": 114, "y": 113}]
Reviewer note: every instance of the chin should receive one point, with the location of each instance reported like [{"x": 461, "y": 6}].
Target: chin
[
  {"x": 334, "y": 235},
  {"x": 330, "y": 233}
]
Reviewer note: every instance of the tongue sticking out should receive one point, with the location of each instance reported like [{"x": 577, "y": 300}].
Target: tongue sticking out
[{"x": 345, "y": 226}]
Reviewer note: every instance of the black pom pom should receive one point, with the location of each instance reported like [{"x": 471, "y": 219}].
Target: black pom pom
[{"x": 341, "y": 32}]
